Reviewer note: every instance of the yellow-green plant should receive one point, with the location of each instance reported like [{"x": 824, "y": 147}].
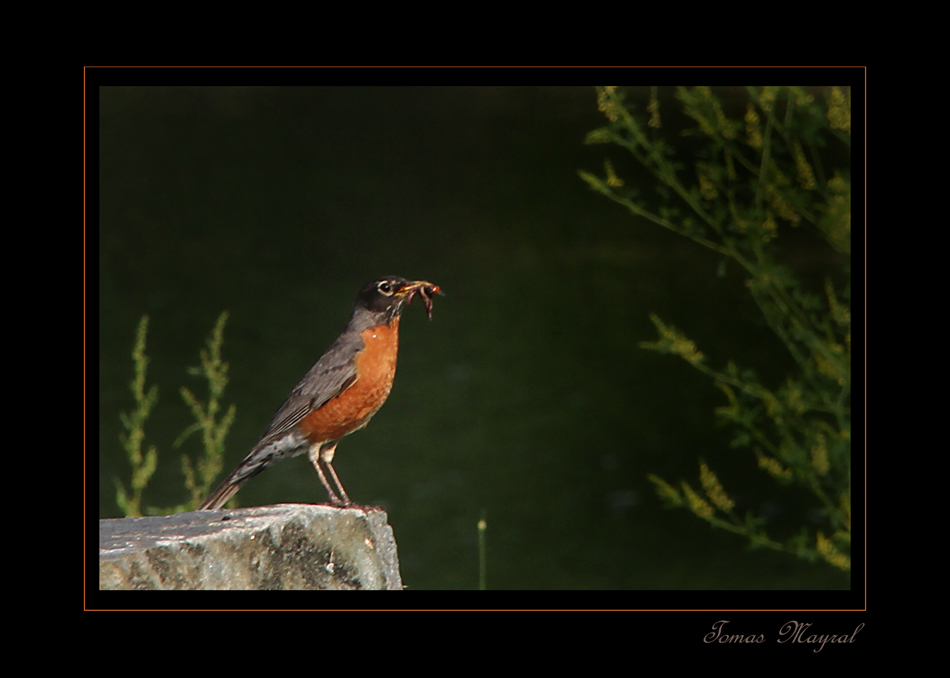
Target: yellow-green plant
[
  {"x": 752, "y": 175},
  {"x": 198, "y": 478},
  {"x": 143, "y": 465},
  {"x": 482, "y": 553}
]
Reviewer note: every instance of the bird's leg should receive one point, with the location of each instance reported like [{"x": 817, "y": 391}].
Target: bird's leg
[
  {"x": 316, "y": 455},
  {"x": 320, "y": 454},
  {"x": 326, "y": 456}
]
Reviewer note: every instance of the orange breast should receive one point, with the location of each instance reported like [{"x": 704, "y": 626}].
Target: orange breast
[{"x": 352, "y": 409}]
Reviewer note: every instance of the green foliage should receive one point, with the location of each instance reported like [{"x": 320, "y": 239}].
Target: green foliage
[
  {"x": 751, "y": 178},
  {"x": 143, "y": 465},
  {"x": 482, "y": 553},
  {"x": 198, "y": 478}
]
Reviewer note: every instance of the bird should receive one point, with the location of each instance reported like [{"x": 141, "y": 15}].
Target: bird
[{"x": 340, "y": 393}]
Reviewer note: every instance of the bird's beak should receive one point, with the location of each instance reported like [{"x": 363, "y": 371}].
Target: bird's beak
[{"x": 415, "y": 286}]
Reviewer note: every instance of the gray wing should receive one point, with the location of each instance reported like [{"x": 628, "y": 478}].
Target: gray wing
[{"x": 333, "y": 374}]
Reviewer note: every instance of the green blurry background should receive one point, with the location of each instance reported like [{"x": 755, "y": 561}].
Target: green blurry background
[{"x": 526, "y": 398}]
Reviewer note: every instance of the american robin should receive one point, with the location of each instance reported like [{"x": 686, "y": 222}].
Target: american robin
[{"x": 340, "y": 394}]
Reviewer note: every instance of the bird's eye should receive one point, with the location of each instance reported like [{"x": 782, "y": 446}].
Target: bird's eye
[{"x": 385, "y": 288}]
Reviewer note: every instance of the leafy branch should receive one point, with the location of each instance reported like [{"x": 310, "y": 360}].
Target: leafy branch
[{"x": 751, "y": 178}]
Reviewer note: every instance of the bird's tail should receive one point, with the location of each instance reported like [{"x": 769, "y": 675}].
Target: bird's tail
[
  {"x": 253, "y": 464},
  {"x": 220, "y": 496}
]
